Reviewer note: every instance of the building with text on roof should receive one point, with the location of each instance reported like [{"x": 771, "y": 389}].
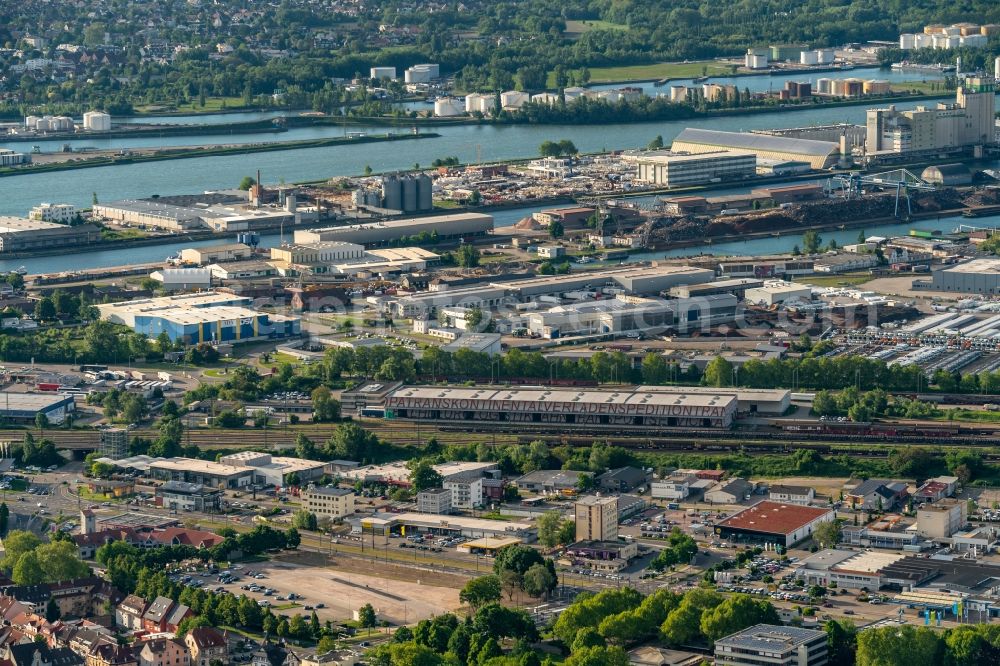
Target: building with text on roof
[
  {"x": 622, "y": 407},
  {"x": 772, "y": 645},
  {"x": 773, "y": 523}
]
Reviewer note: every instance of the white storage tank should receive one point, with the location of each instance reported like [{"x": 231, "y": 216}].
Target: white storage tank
[
  {"x": 446, "y": 107},
  {"x": 679, "y": 93},
  {"x": 922, "y": 41},
  {"x": 907, "y": 41},
  {"x": 809, "y": 57}
]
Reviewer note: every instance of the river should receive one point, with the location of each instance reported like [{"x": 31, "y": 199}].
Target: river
[{"x": 18, "y": 194}]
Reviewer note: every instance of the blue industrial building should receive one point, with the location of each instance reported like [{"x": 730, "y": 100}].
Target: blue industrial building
[{"x": 204, "y": 317}]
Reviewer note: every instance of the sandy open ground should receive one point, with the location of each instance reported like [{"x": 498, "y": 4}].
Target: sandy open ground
[{"x": 344, "y": 591}]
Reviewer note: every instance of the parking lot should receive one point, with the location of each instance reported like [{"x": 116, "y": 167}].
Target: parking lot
[{"x": 291, "y": 589}]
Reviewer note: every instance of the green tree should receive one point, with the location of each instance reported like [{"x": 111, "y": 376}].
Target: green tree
[
  {"x": 41, "y": 421},
  {"x": 424, "y": 476},
  {"x": 4, "y": 519},
  {"x": 467, "y": 256},
  {"x": 305, "y": 520},
  {"x": 811, "y": 241},
  {"x": 480, "y": 591},
  {"x": 325, "y": 408},
  {"x": 52, "y": 612},
  {"x": 654, "y": 369},
  {"x": 28, "y": 570},
  {"x": 718, "y": 373},
  {"x": 556, "y": 229},
  {"x": 539, "y": 580},
  {"x": 736, "y": 613},
  {"x": 827, "y": 534},
  {"x": 656, "y": 143},
  {"x": 549, "y": 524},
  {"x": 598, "y": 656},
  {"x": 903, "y": 645},
  {"x": 45, "y": 309},
  {"x": 841, "y": 641},
  {"x": 247, "y": 182},
  {"x": 683, "y": 624},
  {"x": 366, "y": 617}
]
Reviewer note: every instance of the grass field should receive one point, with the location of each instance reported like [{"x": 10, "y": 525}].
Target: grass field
[
  {"x": 659, "y": 70},
  {"x": 579, "y": 27},
  {"x": 928, "y": 87}
]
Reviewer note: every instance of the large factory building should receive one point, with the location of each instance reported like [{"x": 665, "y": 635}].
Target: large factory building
[
  {"x": 446, "y": 227},
  {"x": 621, "y": 407},
  {"x": 819, "y": 154},
  {"x": 201, "y": 317},
  {"x": 979, "y": 276}
]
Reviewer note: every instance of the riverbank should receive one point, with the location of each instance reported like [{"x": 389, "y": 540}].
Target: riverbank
[{"x": 199, "y": 151}]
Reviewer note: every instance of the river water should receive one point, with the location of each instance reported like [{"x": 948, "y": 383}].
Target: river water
[{"x": 18, "y": 194}]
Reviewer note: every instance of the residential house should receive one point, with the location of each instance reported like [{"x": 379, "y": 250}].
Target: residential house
[
  {"x": 112, "y": 654},
  {"x": 177, "y": 615},
  {"x": 733, "y": 491},
  {"x": 791, "y": 494},
  {"x": 206, "y": 644},
  {"x": 164, "y": 652},
  {"x": 39, "y": 654},
  {"x": 623, "y": 479},
  {"x": 273, "y": 654},
  {"x": 129, "y": 613},
  {"x": 466, "y": 490},
  {"x": 876, "y": 495},
  {"x": 154, "y": 620},
  {"x": 80, "y": 597}
]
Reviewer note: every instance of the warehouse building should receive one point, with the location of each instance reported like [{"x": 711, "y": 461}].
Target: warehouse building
[
  {"x": 624, "y": 315},
  {"x": 773, "y": 293},
  {"x": 214, "y": 254},
  {"x": 184, "y": 496},
  {"x": 19, "y": 234},
  {"x": 622, "y": 407},
  {"x": 407, "y": 524},
  {"x": 773, "y": 523},
  {"x": 979, "y": 276},
  {"x": 200, "y": 317},
  {"x": 444, "y": 227},
  {"x": 748, "y": 400},
  {"x": 672, "y": 169},
  {"x": 25, "y": 407},
  {"x": 818, "y": 154},
  {"x": 737, "y": 287},
  {"x": 183, "y": 279},
  {"x": 217, "y": 211}
]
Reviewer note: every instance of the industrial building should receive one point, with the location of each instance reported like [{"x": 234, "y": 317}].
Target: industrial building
[
  {"x": 443, "y": 227},
  {"x": 328, "y": 501},
  {"x": 622, "y": 407},
  {"x": 215, "y": 254},
  {"x": 773, "y": 293},
  {"x": 942, "y": 519},
  {"x": 200, "y": 317},
  {"x": 967, "y": 122},
  {"x": 671, "y": 169},
  {"x": 317, "y": 255},
  {"x": 423, "y": 523},
  {"x": 183, "y": 279},
  {"x": 434, "y": 500},
  {"x": 949, "y": 175},
  {"x": 25, "y": 407},
  {"x": 624, "y": 315},
  {"x": 19, "y": 234},
  {"x": 551, "y": 481},
  {"x": 219, "y": 212},
  {"x": 773, "y": 523},
  {"x": 10, "y": 157},
  {"x": 737, "y": 287},
  {"x": 818, "y": 154},
  {"x": 772, "y": 645},
  {"x": 409, "y": 193},
  {"x": 979, "y": 276}
]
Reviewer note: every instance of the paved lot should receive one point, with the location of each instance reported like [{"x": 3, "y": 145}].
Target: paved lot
[{"x": 343, "y": 592}]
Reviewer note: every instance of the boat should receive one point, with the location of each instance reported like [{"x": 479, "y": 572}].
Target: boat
[{"x": 20, "y": 270}]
